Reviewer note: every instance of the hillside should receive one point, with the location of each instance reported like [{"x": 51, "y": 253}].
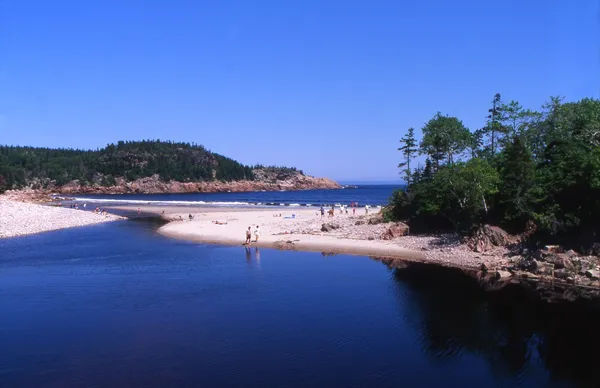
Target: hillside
[{"x": 142, "y": 167}]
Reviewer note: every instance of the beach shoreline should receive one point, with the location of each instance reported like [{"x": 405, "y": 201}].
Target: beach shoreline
[
  {"x": 301, "y": 229},
  {"x": 22, "y": 219}
]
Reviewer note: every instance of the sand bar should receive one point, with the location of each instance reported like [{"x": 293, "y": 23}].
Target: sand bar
[
  {"x": 354, "y": 235},
  {"x": 20, "y": 219}
]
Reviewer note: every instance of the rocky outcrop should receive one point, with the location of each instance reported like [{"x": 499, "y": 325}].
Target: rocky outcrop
[
  {"x": 488, "y": 237},
  {"x": 269, "y": 181},
  {"x": 394, "y": 231}
]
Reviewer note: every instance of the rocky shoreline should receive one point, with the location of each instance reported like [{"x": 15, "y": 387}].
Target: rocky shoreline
[
  {"x": 493, "y": 257},
  {"x": 154, "y": 185}
]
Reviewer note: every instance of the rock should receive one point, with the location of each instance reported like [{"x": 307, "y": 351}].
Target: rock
[
  {"x": 554, "y": 248},
  {"x": 561, "y": 274},
  {"x": 376, "y": 220},
  {"x": 560, "y": 260},
  {"x": 593, "y": 274},
  {"x": 359, "y": 222},
  {"x": 571, "y": 253},
  {"x": 483, "y": 267},
  {"x": 596, "y": 249},
  {"x": 503, "y": 275},
  {"x": 487, "y": 237},
  {"x": 370, "y": 238},
  {"x": 329, "y": 227},
  {"x": 543, "y": 268},
  {"x": 395, "y": 230}
]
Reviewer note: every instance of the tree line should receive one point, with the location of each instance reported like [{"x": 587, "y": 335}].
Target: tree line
[
  {"x": 21, "y": 166},
  {"x": 523, "y": 167}
]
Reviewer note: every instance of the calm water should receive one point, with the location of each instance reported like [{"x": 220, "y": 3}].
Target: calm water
[
  {"x": 372, "y": 195},
  {"x": 116, "y": 305}
]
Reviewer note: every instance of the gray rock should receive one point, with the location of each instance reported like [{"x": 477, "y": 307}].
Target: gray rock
[
  {"x": 561, "y": 274},
  {"x": 592, "y": 274},
  {"x": 543, "y": 268},
  {"x": 503, "y": 275},
  {"x": 571, "y": 253},
  {"x": 329, "y": 227},
  {"x": 359, "y": 222},
  {"x": 560, "y": 260},
  {"x": 375, "y": 220}
]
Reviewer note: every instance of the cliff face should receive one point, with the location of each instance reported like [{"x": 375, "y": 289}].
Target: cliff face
[{"x": 264, "y": 179}]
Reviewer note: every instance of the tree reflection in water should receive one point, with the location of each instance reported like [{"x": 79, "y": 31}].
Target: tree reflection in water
[{"x": 511, "y": 329}]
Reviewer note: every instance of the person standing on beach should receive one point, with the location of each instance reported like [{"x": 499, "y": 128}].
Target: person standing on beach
[
  {"x": 322, "y": 212},
  {"x": 248, "y": 235},
  {"x": 256, "y": 234}
]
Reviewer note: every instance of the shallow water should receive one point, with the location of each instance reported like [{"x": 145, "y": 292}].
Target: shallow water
[{"x": 118, "y": 305}]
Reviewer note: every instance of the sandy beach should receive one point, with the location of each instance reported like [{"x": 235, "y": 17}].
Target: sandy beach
[
  {"x": 20, "y": 219},
  {"x": 301, "y": 229}
]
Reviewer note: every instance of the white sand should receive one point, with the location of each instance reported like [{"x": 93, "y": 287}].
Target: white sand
[{"x": 19, "y": 219}]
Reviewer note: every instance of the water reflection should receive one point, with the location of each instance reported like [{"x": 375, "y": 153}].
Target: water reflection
[
  {"x": 249, "y": 255},
  {"x": 510, "y": 329}
]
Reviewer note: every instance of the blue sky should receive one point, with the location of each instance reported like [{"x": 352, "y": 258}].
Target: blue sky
[{"x": 327, "y": 86}]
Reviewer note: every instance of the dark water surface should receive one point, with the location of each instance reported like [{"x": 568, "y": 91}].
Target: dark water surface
[{"x": 116, "y": 305}]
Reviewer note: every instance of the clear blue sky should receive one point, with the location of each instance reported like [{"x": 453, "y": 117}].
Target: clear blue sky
[{"x": 327, "y": 86}]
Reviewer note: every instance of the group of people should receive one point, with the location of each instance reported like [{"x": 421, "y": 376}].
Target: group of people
[
  {"x": 343, "y": 209},
  {"x": 249, "y": 235}
]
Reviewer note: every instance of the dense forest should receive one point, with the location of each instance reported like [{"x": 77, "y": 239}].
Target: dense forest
[
  {"x": 524, "y": 169},
  {"x": 184, "y": 162}
]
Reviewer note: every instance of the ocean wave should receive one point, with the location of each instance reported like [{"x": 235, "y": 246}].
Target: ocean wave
[{"x": 116, "y": 201}]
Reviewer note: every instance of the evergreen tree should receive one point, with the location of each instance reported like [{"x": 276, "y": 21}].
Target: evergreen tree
[
  {"x": 517, "y": 177},
  {"x": 408, "y": 149}
]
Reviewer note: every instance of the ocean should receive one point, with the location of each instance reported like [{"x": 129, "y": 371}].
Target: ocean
[
  {"x": 372, "y": 195},
  {"x": 118, "y": 305}
]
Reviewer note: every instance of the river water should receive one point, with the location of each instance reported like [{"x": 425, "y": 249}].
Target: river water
[{"x": 116, "y": 305}]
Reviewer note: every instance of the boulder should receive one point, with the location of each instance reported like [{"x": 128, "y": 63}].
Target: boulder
[
  {"x": 329, "y": 227},
  {"x": 543, "y": 268},
  {"x": 487, "y": 237},
  {"x": 395, "y": 230},
  {"x": 593, "y": 274},
  {"x": 359, "y": 222},
  {"x": 596, "y": 249},
  {"x": 503, "y": 275},
  {"x": 571, "y": 253},
  {"x": 561, "y": 274},
  {"x": 560, "y": 260},
  {"x": 376, "y": 220}
]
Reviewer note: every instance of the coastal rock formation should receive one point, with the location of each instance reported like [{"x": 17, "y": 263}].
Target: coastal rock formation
[
  {"x": 487, "y": 237},
  {"x": 274, "y": 181},
  {"x": 395, "y": 230}
]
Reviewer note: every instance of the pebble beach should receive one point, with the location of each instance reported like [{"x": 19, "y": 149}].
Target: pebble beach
[{"x": 21, "y": 219}]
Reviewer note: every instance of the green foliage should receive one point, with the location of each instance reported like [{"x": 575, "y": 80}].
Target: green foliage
[
  {"x": 20, "y": 166},
  {"x": 517, "y": 177},
  {"x": 444, "y": 138},
  {"x": 523, "y": 166}
]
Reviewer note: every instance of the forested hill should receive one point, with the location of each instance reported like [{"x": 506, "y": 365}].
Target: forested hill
[{"x": 124, "y": 162}]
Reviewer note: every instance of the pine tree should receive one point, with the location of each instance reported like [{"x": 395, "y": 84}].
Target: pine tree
[
  {"x": 517, "y": 174},
  {"x": 408, "y": 149}
]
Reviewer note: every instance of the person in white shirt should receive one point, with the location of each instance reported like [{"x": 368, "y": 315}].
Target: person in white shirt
[{"x": 256, "y": 234}]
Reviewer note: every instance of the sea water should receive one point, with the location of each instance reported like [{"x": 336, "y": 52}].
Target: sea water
[
  {"x": 372, "y": 195},
  {"x": 116, "y": 305}
]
